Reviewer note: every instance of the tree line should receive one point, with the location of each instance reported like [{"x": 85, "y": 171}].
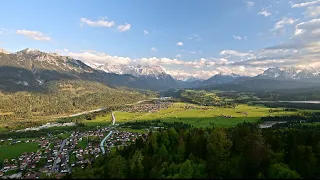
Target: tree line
[{"x": 245, "y": 151}]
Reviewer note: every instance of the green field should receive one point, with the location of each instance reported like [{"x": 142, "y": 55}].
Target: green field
[
  {"x": 311, "y": 124},
  {"x": 202, "y": 118},
  {"x": 83, "y": 143},
  {"x": 64, "y": 135},
  {"x": 99, "y": 121},
  {"x": 2, "y": 130},
  {"x": 12, "y": 151}
]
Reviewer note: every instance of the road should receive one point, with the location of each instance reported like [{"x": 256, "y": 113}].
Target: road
[
  {"x": 103, "y": 141},
  {"x": 110, "y": 133},
  {"x": 113, "y": 118},
  {"x": 55, "y": 161}
]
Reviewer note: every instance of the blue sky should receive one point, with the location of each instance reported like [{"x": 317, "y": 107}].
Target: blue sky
[{"x": 188, "y": 38}]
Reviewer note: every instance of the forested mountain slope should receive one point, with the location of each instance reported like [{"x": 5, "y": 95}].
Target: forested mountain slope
[
  {"x": 64, "y": 97},
  {"x": 36, "y": 84}
]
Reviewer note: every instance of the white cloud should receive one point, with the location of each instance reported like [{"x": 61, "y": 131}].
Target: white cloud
[
  {"x": 179, "y": 43},
  {"x": 283, "y": 22},
  {"x": 250, "y": 3},
  {"x": 98, "y": 57},
  {"x": 194, "y": 52},
  {"x": 145, "y": 32},
  {"x": 237, "y": 37},
  {"x": 154, "y": 49},
  {"x": 195, "y": 37},
  {"x": 303, "y": 49},
  {"x": 308, "y": 29},
  {"x": 66, "y": 50},
  {"x": 157, "y": 61},
  {"x": 124, "y": 27},
  {"x": 264, "y": 13},
  {"x": 306, "y": 4},
  {"x": 234, "y": 53},
  {"x": 313, "y": 11},
  {"x": 35, "y": 35},
  {"x": 183, "y": 74},
  {"x": 100, "y": 23}
]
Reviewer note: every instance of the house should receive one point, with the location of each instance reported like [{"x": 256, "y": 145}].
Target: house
[
  {"x": 30, "y": 175},
  {"x": 23, "y": 166},
  {"x": 9, "y": 166},
  {"x": 59, "y": 176}
]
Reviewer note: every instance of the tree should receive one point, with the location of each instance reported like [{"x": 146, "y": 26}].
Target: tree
[
  {"x": 218, "y": 148},
  {"x": 152, "y": 144},
  {"x": 304, "y": 161},
  {"x": 136, "y": 166},
  {"x": 80, "y": 173},
  {"x": 117, "y": 167},
  {"x": 199, "y": 171},
  {"x": 282, "y": 171},
  {"x": 186, "y": 170}
]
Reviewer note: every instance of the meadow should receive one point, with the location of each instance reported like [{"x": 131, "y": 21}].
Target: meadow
[
  {"x": 203, "y": 116},
  {"x": 11, "y": 151}
]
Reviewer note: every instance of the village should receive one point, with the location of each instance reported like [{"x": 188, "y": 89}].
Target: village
[
  {"x": 150, "y": 107},
  {"x": 57, "y": 156}
]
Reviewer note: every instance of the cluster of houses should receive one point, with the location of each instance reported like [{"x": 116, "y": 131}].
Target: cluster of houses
[
  {"x": 60, "y": 156},
  {"x": 148, "y": 107},
  {"x": 196, "y": 107},
  {"x": 225, "y": 116},
  {"x": 122, "y": 138}
]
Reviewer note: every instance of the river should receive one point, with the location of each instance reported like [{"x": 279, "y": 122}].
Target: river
[{"x": 269, "y": 124}]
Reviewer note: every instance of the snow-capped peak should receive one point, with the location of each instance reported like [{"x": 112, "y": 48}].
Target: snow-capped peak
[
  {"x": 291, "y": 73},
  {"x": 31, "y": 51},
  {"x": 135, "y": 70},
  {"x": 4, "y": 51}
]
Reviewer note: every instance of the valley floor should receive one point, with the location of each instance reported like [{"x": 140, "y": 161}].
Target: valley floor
[{"x": 198, "y": 116}]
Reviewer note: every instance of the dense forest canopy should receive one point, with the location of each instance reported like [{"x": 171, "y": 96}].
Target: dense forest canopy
[{"x": 244, "y": 151}]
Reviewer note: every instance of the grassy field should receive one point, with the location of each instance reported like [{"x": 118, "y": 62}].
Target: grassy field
[
  {"x": 11, "y": 151},
  {"x": 64, "y": 135},
  {"x": 99, "y": 121},
  {"x": 2, "y": 130},
  {"x": 312, "y": 124},
  {"x": 199, "y": 117},
  {"x": 83, "y": 143}
]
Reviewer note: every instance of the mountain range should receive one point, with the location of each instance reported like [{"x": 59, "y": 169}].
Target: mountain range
[
  {"x": 291, "y": 73},
  {"x": 31, "y": 69}
]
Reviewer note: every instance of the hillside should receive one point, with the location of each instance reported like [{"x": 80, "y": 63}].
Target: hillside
[
  {"x": 64, "y": 98},
  {"x": 35, "y": 85}
]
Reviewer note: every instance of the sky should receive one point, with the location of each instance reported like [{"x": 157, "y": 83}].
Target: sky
[{"x": 190, "y": 38}]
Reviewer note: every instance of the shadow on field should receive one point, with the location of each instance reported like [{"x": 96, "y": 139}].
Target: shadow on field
[{"x": 207, "y": 121}]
